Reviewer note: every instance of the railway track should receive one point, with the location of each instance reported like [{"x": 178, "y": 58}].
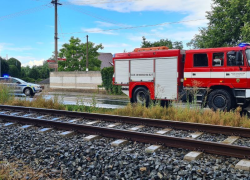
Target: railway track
[{"x": 62, "y": 120}]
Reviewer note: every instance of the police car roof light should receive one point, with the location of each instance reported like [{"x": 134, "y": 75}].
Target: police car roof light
[{"x": 6, "y": 76}]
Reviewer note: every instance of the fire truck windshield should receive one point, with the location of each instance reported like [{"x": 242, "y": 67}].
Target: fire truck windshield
[{"x": 248, "y": 56}]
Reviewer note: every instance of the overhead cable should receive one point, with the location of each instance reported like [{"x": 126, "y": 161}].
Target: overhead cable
[
  {"x": 27, "y": 11},
  {"x": 134, "y": 27},
  {"x": 105, "y": 2}
]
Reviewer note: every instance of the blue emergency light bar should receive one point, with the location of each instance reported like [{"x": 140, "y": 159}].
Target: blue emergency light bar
[{"x": 244, "y": 44}]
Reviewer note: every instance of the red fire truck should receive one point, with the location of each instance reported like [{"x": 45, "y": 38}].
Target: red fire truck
[{"x": 221, "y": 75}]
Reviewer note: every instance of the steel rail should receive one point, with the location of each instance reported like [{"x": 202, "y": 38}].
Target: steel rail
[
  {"x": 185, "y": 143},
  {"x": 217, "y": 129}
]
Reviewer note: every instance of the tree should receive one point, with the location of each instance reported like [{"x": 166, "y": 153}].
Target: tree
[
  {"x": 44, "y": 70},
  {"x": 34, "y": 73},
  {"x": 162, "y": 42},
  {"x": 13, "y": 71},
  {"x": 229, "y": 24},
  {"x": 15, "y": 62},
  {"x": 25, "y": 71},
  {"x": 75, "y": 53},
  {"x": 4, "y": 67}
]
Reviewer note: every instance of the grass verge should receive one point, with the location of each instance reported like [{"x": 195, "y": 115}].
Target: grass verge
[{"x": 186, "y": 114}]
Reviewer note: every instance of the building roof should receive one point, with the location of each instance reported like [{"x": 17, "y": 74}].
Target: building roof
[
  {"x": 45, "y": 81},
  {"x": 106, "y": 59}
]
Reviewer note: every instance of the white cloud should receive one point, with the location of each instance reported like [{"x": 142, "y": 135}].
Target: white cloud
[
  {"x": 30, "y": 61},
  {"x": 19, "y": 49},
  {"x": 194, "y": 9},
  {"x": 138, "y": 38},
  {"x": 3, "y": 46},
  {"x": 39, "y": 43},
  {"x": 34, "y": 63},
  {"x": 181, "y": 35},
  {"x": 50, "y": 26},
  {"x": 115, "y": 45},
  {"x": 8, "y": 46},
  {"x": 104, "y": 24},
  {"x": 98, "y": 31}
]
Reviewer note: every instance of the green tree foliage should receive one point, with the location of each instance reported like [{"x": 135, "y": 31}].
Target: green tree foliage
[
  {"x": 13, "y": 71},
  {"x": 162, "y": 42},
  {"x": 34, "y": 73},
  {"x": 75, "y": 53},
  {"x": 4, "y": 67},
  {"x": 229, "y": 24},
  {"x": 13, "y": 68},
  {"x": 15, "y": 62},
  {"x": 25, "y": 71},
  {"x": 107, "y": 75},
  {"x": 44, "y": 70}
]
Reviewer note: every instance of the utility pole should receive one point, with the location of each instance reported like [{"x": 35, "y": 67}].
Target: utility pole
[
  {"x": 87, "y": 54},
  {"x": 55, "y": 2},
  {"x": 0, "y": 66}
]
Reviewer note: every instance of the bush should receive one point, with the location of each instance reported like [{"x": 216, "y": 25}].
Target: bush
[
  {"x": 107, "y": 75},
  {"x": 27, "y": 79},
  {"x": 5, "y": 95}
]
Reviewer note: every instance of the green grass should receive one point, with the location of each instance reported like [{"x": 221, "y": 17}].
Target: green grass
[{"x": 186, "y": 114}]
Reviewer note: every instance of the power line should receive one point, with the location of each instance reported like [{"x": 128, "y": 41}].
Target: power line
[
  {"x": 88, "y": 13},
  {"x": 123, "y": 1},
  {"x": 27, "y": 11},
  {"x": 92, "y": 15},
  {"x": 134, "y": 27},
  {"x": 60, "y": 25}
]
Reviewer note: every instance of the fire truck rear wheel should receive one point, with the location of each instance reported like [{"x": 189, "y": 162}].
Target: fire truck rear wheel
[
  {"x": 141, "y": 96},
  {"x": 220, "y": 99}
]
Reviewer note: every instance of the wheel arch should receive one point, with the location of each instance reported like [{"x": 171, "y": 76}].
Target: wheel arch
[
  {"x": 148, "y": 85},
  {"x": 227, "y": 88}
]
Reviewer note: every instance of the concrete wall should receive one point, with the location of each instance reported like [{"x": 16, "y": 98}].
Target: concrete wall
[{"x": 75, "y": 80}]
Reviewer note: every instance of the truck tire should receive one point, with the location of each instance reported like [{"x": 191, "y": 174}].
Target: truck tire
[
  {"x": 28, "y": 92},
  {"x": 220, "y": 99},
  {"x": 141, "y": 96}
]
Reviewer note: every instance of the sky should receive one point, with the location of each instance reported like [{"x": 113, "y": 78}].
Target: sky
[{"x": 27, "y": 26}]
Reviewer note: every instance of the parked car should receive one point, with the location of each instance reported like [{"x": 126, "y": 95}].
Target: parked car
[{"x": 19, "y": 86}]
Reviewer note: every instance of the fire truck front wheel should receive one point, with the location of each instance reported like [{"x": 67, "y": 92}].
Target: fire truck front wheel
[
  {"x": 220, "y": 99},
  {"x": 141, "y": 96}
]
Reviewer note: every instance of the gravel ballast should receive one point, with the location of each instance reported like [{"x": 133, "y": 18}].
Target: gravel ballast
[{"x": 75, "y": 158}]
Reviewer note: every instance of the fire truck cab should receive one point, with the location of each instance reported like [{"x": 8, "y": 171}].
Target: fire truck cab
[{"x": 220, "y": 76}]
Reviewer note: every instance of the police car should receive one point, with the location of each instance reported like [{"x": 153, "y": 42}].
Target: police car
[{"x": 19, "y": 86}]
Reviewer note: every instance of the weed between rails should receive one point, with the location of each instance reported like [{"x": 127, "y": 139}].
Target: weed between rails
[{"x": 19, "y": 171}]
